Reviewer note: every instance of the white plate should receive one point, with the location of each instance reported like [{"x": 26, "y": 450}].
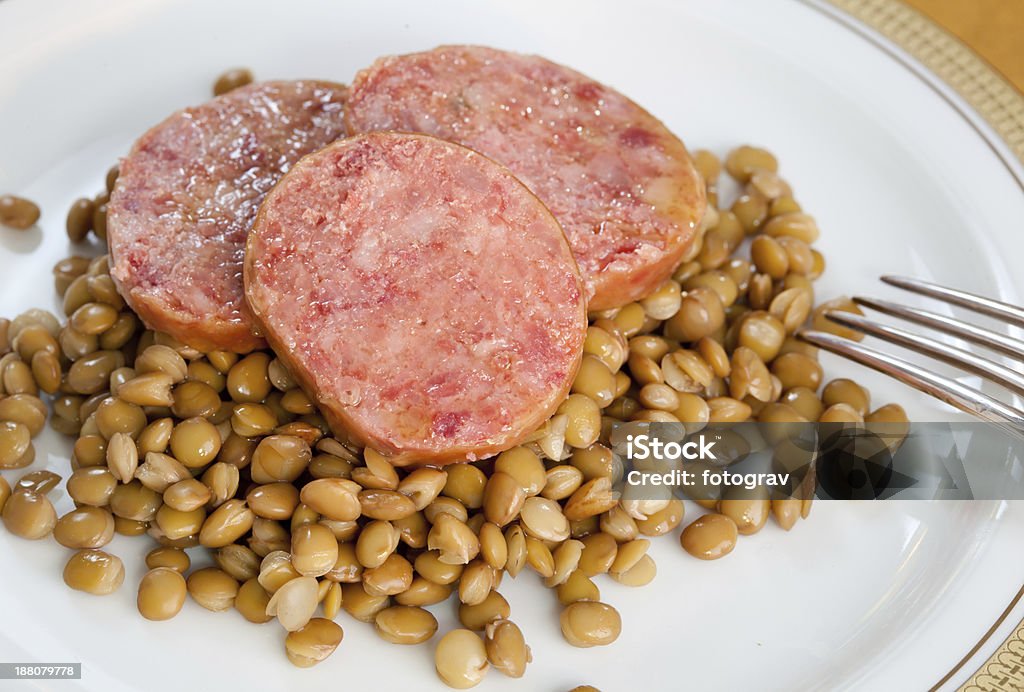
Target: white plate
[{"x": 865, "y": 596}]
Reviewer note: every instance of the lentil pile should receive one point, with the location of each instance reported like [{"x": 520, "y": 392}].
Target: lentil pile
[{"x": 225, "y": 453}]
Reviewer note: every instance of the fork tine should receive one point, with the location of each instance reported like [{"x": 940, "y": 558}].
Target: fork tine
[
  {"x": 985, "y": 306},
  {"x": 943, "y": 388},
  {"x": 956, "y": 357},
  {"x": 964, "y": 330}
]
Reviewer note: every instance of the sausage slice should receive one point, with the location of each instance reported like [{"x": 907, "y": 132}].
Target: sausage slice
[
  {"x": 188, "y": 193},
  {"x": 622, "y": 186},
  {"x": 420, "y": 293}
]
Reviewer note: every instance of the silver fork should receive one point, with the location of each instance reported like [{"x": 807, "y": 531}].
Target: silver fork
[{"x": 947, "y": 389}]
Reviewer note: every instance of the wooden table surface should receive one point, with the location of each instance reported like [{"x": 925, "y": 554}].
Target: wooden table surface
[{"x": 994, "y": 29}]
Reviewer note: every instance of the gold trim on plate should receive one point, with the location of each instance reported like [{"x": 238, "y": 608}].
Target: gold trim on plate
[
  {"x": 987, "y": 91},
  {"x": 1004, "y": 671},
  {"x": 1001, "y": 105}
]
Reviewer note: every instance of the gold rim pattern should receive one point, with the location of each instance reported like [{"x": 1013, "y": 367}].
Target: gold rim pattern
[
  {"x": 1001, "y": 105},
  {"x": 987, "y": 91},
  {"x": 1004, "y": 671}
]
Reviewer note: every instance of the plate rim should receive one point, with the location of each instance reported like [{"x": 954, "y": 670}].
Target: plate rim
[
  {"x": 946, "y": 64},
  {"x": 972, "y": 87},
  {"x": 868, "y": 17}
]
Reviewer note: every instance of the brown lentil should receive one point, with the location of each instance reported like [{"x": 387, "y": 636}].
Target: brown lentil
[
  {"x": 272, "y": 500},
  {"x": 79, "y": 221},
  {"x": 515, "y": 542},
  {"x": 640, "y": 574},
  {"x": 192, "y": 399},
  {"x": 4, "y": 492},
  {"x": 749, "y": 511},
  {"x": 226, "y": 524},
  {"x": 595, "y": 380},
  {"x": 662, "y": 521},
  {"x": 129, "y": 527},
  {"x": 251, "y": 602},
  {"x": 476, "y": 617},
  {"x": 744, "y": 161},
  {"x": 503, "y": 498},
  {"x": 386, "y": 505},
  {"x": 229, "y": 81},
  {"x": 85, "y": 527},
  {"x": 840, "y": 413},
  {"x": 361, "y": 605},
  {"x": 67, "y": 270},
  {"x": 822, "y": 323},
  {"x": 171, "y": 558},
  {"x": 710, "y": 537},
  {"x": 453, "y": 539},
  {"x": 222, "y": 480},
  {"x": 751, "y": 210},
  {"x": 314, "y": 550},
  {"x": 46, "y": 371},
  {"x": 195, "y": 442},
  {"x": 618, "y": 524},
  {"x": 413, "y": 530},
  {"x": 376, "y": 542},
  {"x": 476, "y": 582},
  {"x": 29, "y": 515},
  {"x": 786, "y": 511},
  {"x": 609, "y": 349},
  {"x": 187, "y": 495},
  {"x": 279, "y": 458},
  {"x": 422, "y": 486},
  {"x": 94, "y": 572},
  {"x": 423, "y": 592},
  {"x": 159, "y": 471},
  {"x": 135, "y": 501},
  {"x": 845, "y": 391},
  {"x": 460, "y": 659},
  {"x": 212, "y": 588},
  {"x": 17, "y": 212},
  {"x": 506, "y": 648},
  {"x": 15, "y": 445},
  {"x": 176, "y": 524},
  {"x": 403, "y": 624},
  {"x": 160, "y": 358},
  {"x": 116, "y": 416},
  {"x": 93, "y": 318},
  {"x": 26, "y": 409},
  {"x": 122, "y": 457},
  {"x": 313, "y": 643},
  {"x": 590, "y": 623},
  {"x": 99, "y": 220},
  {"x": 161, "y": 594},
  {"x": 543, "y": 519},
  {"x": 792, "y": 224},
  {"x": 797, "y": 370},
  {"x": 593, "y": 497},
  {"x": 248, "y": 380},
  {"x": 252, "y": 420},
  {"x": 525, "y": 467}
]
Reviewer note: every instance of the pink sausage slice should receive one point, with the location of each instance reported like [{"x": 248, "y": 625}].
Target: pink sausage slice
[
  {"x": 622, "y": 186},
  {"x": 188, "y": 193},
  {"x": 420, "y": 293}
]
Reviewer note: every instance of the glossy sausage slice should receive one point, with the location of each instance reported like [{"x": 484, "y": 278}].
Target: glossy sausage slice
[
  {"x": 420, "y": 293},
  {"x": 188, "y": 193},
  {"x": 622, "y": 186}
]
